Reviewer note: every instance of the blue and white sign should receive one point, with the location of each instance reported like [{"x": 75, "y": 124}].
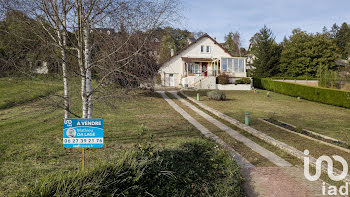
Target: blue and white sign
[{"x": 82, "y": 133}]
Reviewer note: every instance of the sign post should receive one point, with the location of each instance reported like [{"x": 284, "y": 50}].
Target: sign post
[
  {"x": 83, "y": 133},
  {"x": 82, "y": 159}
]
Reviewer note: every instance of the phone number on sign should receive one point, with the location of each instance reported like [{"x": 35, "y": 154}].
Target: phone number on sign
[{"x": 83, "y": 141}]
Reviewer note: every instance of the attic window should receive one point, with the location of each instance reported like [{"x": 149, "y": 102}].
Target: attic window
[{"x": 205, "y": 49}]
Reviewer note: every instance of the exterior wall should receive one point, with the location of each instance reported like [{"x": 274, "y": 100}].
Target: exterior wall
[
  {"x": 195, "y": 50},
  {"x": 207, "y": 83},
  {"x": 191, "y": 79},
  {"x": 43, "y": 69},
  {"x": 303, "y": 82},
  {"x": 234, "y": 87},
  {"x": 233, "y": 80},
  {"x": 176, "y": 65}
]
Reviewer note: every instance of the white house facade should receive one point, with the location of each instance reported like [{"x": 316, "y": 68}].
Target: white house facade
[{"x": 199, "y": 63}]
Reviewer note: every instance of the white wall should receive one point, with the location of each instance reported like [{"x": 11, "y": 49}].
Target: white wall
[
  {"x": 195, "y": 50},
  {"x": 176, "y": 65},
  {"x": 234, "y": 87},
  {"x": 207, "y": 83}
]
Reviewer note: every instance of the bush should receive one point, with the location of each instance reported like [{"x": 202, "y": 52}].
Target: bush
[
  {"x": 243, "y": 81},
  {"x": 323, "y": 95},
  {"x": 223, "y": 79},
  {"x": 193, "y": 169},
  {"x": 216, "y": 95}
]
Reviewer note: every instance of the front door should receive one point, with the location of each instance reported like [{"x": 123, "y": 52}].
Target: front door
[
  {"x": 205, "y": 68},
  {"x": 171, "y": 80}
]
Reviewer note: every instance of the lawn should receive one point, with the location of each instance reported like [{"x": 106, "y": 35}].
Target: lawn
[
  {"x": 17, "y": 90},
  {"x": 321, "y": 118},
  {"x": 288, "y": 109},
  {"x": 253, "y": 157},
  {"x": 31, "y": 134}
]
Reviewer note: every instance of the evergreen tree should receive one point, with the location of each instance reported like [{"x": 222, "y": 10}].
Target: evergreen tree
[
  {"x": 304, "y": 53},
  {"x": 342, "y": 39},
  {"x": 267, "y": 53},
  {"x": 175, "y": 39},
  {"x": 233, "y": 43}
]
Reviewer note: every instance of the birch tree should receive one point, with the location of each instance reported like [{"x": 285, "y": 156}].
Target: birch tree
[{"x": 80, "y": 19}]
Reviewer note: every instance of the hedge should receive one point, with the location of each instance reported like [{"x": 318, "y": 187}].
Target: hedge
[{"x": 323, "y": 95}]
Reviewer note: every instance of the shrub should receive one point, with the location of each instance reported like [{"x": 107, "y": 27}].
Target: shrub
[
  {"x": 158, "y": 79},
  {"x": 243, "y": 81},
  {"x": 193, "y": 169},
  {"x": 223, "y": 79},
  {"x": 323, "y": 95},
  {"x": 216, "y": 95}
]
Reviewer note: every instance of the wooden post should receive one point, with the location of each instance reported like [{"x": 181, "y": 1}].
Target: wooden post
[{"x": 82, "y": 159}]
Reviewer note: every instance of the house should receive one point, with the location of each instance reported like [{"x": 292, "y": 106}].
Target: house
[
  {"x": 198, "y": 64},
  {"x": 250, "y": 57}
]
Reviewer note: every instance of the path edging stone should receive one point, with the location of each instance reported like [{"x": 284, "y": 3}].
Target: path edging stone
[
  {"x": 241, "y": 161},
  {"x": 289, "y": 149}
]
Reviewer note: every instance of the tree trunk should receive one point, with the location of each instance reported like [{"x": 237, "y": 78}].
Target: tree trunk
[
  {"x": 64, "y": 69},
  {"x": 81, "y": 51},
  {"x": 62, "y": 41},
  {"x": 87, "y": 61},
  {"x": 84, "y": 97}
]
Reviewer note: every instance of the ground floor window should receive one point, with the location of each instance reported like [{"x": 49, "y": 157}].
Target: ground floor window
[{"x": 193, "y": 68}]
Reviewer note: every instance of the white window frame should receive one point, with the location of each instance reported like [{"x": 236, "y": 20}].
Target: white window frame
[
  {"x": 222, "y": 65},
  {"x": 235, "y": 65},
  {"x": 196, "y": 69},
  {"x": 241, "y": 66},
  {"x": 231, "y": 69},
  {"x": 205, "y": 48}
]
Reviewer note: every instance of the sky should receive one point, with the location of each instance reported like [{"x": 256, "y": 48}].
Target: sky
[{"x": 219, "y": 17}]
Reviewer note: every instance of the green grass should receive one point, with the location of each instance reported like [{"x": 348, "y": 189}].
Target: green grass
[
  {"x": 16, "y": 91},
  {"x": 194, "y": 169},
  {"x": 252, "y": 156},
  {"x": 279, "y": 105},
  {"x": 325, "y": 119},
  {"x": 31, "y": 133}
]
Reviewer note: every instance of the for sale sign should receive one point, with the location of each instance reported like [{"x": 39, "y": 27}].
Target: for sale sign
[{"x": 83, "y": 133}]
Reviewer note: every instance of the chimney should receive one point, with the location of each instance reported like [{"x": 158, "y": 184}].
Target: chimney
[{"x": 171, "y": 52}]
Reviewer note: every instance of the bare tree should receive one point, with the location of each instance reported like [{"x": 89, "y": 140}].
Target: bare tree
[
  {"x": 233, "y": 43},
  {"x": 71, "y": 26}
]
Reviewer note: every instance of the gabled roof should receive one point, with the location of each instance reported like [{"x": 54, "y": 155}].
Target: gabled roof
[{"x": 188, "y": 46}]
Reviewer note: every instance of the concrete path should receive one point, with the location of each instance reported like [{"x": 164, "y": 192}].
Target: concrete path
[
  {"x": 281, "y": 181},
  {"x": 249, "y": 143},
  {"x": 239, "y": 159},
  {"x": 285, "y": 147}
]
